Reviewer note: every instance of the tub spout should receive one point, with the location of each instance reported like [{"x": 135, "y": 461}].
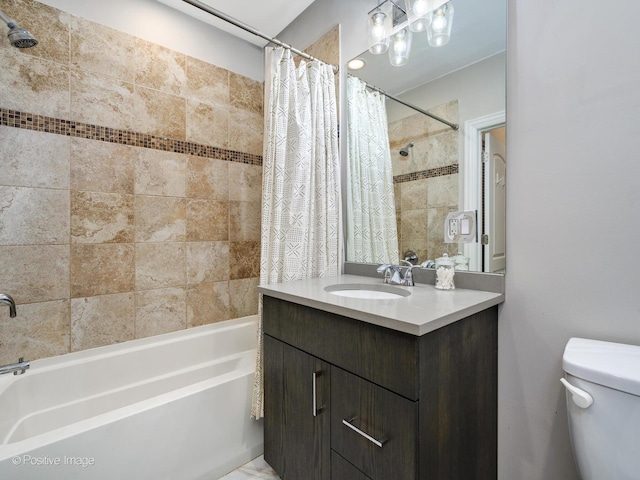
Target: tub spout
[
  {"x": 17, "y": 368},
  {"x": 4, "y": 298}
]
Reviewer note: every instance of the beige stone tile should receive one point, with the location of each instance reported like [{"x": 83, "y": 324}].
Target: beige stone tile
[
  {"x": 244, "y": 258},
  {"x": 207, "y": 124},
  {"x": 414, "y": 232},
  {"x": 207, "y": 83},
  {"x": 327, "y": 47},
  {"x": 160, "y": 311},
  {"x": 414, "y": 195},
  {"x": 33, "y": 216},
  {"x": 37, "y": 273},
  {"x": 33, "y": 85},
  {"x": 207, "y": 303},
  {"x": 160, "y": 173},
  {"x": 102, "y": 320},
  {"x": 245, "y": 221},
  {"x": 246, "y": 131},
  {"x": 101, "y": 269},
  {"x": 160, "y": 68},
  {"x": 160, "y": 219},
  {"x": 247, "y": 182},
  {"x": 207, "y": 178},
  {"x": 160, "y": 265},
  {"x": 101, "y": 100},
  {"x": 49, "y": 25},
  {"x": 159, "y": 113},
  {"x": 102, "y": 167},
  {"x": 243, "y": 297},
  {"x": 207, "y": 262},
  {"x": 245, "y": 93},
  {"x": 101, "y": 49},
  {"x": 34, "y": 159},
  {"x": 101, "y": 217},
  {"x": 443, "y": 191},
  {"x": 40, "y": 330},
  {"x": 440, "y": 150},
  {"x": 207, "y": 220}
]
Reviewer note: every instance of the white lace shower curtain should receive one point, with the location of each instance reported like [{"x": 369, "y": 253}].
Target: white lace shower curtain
[
  {"x": 301, "y": 184},
  {"x": 372, "y": 232}
]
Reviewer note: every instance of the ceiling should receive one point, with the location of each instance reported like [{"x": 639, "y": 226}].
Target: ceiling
[
  {"x": 268, "y": 16},
  {"x": 479, "y": 31}
]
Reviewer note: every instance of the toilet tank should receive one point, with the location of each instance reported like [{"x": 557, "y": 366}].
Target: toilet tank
[{"x": 606, "y": 435}]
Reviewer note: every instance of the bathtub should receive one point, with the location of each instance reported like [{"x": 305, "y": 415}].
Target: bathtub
[{"x": 174, "y": 406}]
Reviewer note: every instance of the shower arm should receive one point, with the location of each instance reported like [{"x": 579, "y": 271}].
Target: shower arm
[
  {"x": 10, "y": 23},
  {"x": 253, "y": 31}
]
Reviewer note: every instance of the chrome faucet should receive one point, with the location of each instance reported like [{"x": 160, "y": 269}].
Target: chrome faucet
[
  {"x": 393, "y": 274},
  {"x": 17, "y": 368},
  {"x": 4, "y": 298}
]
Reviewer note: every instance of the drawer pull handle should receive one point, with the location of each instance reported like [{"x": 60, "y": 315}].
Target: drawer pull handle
[
  {"x": 360, "y": 432},
  {"x": 314, "y": 394}
]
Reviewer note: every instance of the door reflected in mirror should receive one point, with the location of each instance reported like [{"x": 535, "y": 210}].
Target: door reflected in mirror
[{"x": 435, "y": 169}]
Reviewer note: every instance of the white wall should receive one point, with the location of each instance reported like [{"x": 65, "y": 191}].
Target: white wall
[
  {"x": 573, "y": 204},
  {"x": 160, "y": 24}
]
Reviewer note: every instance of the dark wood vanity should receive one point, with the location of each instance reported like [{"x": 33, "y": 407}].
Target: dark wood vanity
[{"x": 349, "y": 400}]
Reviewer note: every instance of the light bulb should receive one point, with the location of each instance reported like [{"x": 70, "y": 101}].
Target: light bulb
[
  {"x": 439, "y": 22},
  {"x": 420, "y": 8}
]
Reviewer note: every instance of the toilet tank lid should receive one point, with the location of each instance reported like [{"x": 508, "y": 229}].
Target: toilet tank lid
[{"x": 613, "y": 365}]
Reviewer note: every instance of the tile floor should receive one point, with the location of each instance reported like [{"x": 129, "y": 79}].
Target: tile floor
[{"x": 257, "y": 468}]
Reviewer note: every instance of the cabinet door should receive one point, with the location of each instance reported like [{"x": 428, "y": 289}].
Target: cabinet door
[{"x": 296, "y": 417}]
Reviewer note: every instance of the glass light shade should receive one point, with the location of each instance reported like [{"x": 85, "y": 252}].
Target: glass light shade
[
  {"x": 440, "y": 23},
  {"x": 378, "y": 30},
  {"x": 400, "y": 47},
  {"x": 418, "y": 13}
]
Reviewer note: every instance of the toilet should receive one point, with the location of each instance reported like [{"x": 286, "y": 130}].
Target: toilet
[{"x": 602, "y": 381}]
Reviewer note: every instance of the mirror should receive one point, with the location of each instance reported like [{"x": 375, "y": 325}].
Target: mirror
[{"x": 437, "y": 170}]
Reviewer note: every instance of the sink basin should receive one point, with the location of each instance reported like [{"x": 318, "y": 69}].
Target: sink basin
[{"x": 367, "y": 291}]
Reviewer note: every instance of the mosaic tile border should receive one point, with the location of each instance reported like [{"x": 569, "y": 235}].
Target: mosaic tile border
[
  {"x": 70, "y": 128},
  {"x": 430, "y": 173}
]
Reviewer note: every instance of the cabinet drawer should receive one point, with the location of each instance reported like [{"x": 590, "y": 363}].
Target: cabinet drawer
[
  {"x": 373, "y": 428},
  {"x": 343, "y": 470}
]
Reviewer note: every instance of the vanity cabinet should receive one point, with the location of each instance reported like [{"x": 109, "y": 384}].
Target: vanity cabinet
[{"x": 349, "y": 400}]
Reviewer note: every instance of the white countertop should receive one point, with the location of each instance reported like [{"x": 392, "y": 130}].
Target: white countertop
[{"x": 425, "y": 310}]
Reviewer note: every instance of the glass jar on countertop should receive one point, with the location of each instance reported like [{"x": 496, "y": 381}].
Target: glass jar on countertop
[{"x": 445, "y": 270}]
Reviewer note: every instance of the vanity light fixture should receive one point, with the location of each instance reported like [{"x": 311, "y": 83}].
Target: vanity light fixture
[
  {"x": 377, "y": 26},
  {"x": 440, "y": 22},
  {"x": 418, "y": 13},
  {"x": 400, "y": 47},
  {"x": 391, "y": 23}
]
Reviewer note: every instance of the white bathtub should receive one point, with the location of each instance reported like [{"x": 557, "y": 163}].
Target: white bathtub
[{"x": 175, "y": 406}]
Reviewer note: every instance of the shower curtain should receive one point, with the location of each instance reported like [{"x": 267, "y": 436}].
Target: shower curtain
[
  {"x": 301, "y": 179},
  {"x": 372, "y": 232}
]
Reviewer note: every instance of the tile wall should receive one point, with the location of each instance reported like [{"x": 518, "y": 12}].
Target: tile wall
[
  {"x": 426, "y": 181},
  {"x": 130, "y": 187}
]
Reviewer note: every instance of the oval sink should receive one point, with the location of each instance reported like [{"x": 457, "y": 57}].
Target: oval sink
[{"x": 370, "y": 292}]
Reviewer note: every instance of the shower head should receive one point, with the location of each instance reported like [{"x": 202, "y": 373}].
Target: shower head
[
  {"x": 404, "y": 151},
  {"x": 18, "y": 37}
]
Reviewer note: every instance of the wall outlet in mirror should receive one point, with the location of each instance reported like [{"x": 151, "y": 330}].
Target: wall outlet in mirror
[{"x": 460, "y": 227}]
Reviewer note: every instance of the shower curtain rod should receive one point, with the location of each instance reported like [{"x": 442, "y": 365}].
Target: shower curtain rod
[
  {"x": 455, "y": 126},
  {"x": 247, "y": 28}
]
